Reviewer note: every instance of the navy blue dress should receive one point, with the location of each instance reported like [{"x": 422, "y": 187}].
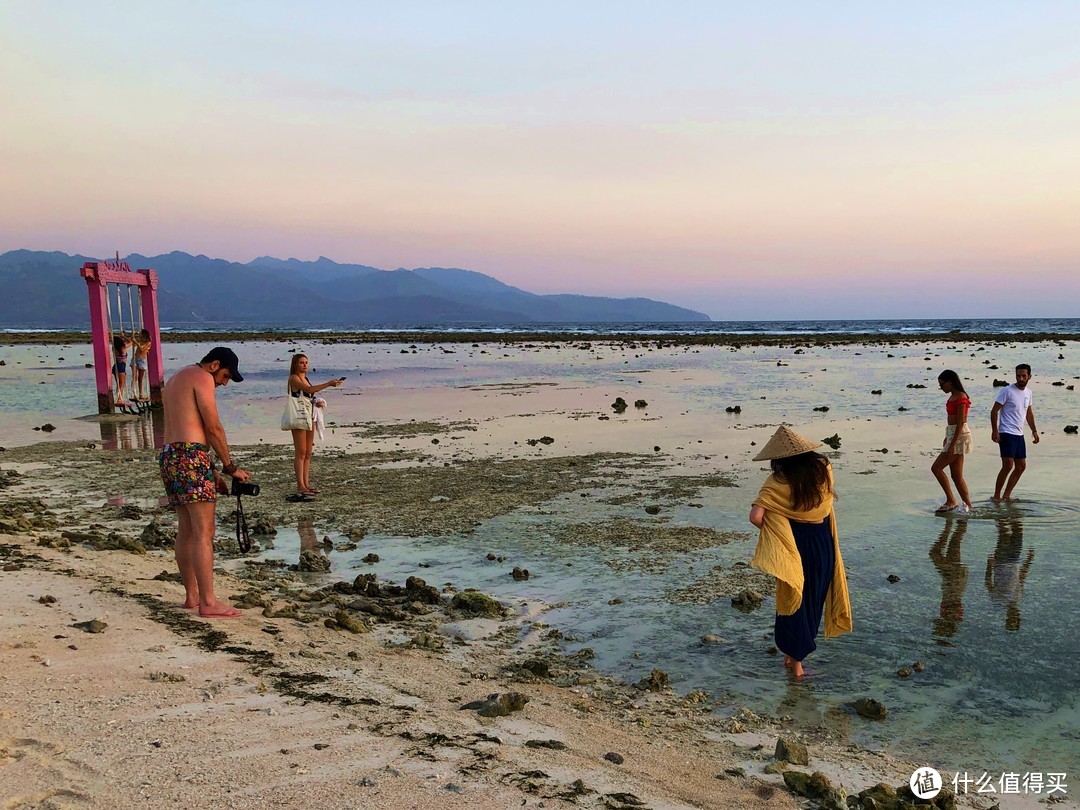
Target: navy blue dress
[{"x": 795, "y": 634}]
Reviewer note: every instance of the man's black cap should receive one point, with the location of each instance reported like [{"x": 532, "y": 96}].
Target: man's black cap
[{"x": 228, "y": 359}]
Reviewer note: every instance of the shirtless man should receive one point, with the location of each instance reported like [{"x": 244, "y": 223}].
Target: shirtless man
[{"x": 192, "y": 483}]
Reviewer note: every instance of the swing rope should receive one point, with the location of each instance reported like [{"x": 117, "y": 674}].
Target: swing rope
[
  {"x": 119, "y": 310},
  {"x": 109, "y": 353},
  {"x": 142, "y": 324},
  {"x": 131, "y": 375}
]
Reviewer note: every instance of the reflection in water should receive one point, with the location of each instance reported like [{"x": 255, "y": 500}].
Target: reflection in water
[
  {"x": 945, "y": 554},
  {"x": 1005, "y": 576},
  {"x": 308, "y": 541},
  {"x": 145, "y": 433},
  {"x": 801, "y": 702}
]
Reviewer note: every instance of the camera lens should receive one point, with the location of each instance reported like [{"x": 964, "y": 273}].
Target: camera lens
[{"x": 239, "y": 489}]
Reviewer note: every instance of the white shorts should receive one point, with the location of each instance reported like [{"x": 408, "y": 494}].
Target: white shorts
[{"x": 963, "y": 444}]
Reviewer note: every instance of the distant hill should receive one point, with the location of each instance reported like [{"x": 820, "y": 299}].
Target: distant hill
[{"x": 43, "y": 289}]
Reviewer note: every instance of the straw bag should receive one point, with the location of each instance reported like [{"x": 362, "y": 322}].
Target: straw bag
[{"x": 297, "y": 414}]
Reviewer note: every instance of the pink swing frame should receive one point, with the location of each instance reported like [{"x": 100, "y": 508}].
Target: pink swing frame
[{"x": 98, "y": 275}]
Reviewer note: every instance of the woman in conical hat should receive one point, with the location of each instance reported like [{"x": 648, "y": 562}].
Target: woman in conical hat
[{"x": 799, "y": 545}]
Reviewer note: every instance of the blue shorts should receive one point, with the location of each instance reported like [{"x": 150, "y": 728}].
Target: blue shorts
[
  {"x": 1012, "y": 446},
  {"x": 120, "y": 368}
]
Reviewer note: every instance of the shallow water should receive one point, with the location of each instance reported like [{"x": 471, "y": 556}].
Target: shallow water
[
  {"x": 998, "y": 638},
  {"x": 1001, "y": 694}
]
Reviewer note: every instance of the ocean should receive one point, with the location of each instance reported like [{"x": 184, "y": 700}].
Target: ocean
[{"x": 915, "y": 327}]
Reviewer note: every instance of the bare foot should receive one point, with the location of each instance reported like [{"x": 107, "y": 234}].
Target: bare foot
[
  {"x": 796, "y": 669},
  {"x": 947, "y": 507},
  {"x": 788, "y": 661},
  {"x": 219, "y": 610},
  {"x": 186, "y": 606},
  {"x": 997, "y": 499}
]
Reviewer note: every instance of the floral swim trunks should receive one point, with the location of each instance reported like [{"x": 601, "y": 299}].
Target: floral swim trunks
[{"x": 187, "y": 472}]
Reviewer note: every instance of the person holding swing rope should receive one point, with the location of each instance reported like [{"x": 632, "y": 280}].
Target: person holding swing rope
[
  {"x": 121, "y": 343},
  {"x": 142, "y": 353}
]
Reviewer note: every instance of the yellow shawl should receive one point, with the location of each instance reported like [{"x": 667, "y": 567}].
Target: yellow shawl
[{"x": 778, "y": 555}]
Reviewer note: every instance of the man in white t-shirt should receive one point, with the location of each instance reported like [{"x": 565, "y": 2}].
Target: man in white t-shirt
[{"x": 1012, "y": 407}]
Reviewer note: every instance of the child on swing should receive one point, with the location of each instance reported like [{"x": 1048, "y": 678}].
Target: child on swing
[
  {"x": 121, "y": 342},
  {"x": 142, "y": 352}
]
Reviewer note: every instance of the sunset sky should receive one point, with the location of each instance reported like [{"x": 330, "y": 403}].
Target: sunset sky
[{"x": 748, "y": 160}]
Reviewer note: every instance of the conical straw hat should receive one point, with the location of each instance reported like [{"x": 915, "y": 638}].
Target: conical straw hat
[{"x": 784, "y": 444}]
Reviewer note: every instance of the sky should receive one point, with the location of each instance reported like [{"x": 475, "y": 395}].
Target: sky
[{"x": 767, "y": 160}]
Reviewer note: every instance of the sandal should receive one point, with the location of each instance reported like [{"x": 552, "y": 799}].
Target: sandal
[{"x": 944, "y": 508}]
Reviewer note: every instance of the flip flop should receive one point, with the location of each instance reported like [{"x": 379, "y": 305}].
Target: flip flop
[
  {"x": 943, "y": 509},
  {"x": 311, "y": 491}
]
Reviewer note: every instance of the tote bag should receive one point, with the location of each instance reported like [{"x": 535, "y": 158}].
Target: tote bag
[{"x": 297, "y": 414}]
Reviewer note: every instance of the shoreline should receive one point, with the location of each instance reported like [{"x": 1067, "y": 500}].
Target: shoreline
[{"x": 673, "y": 339}]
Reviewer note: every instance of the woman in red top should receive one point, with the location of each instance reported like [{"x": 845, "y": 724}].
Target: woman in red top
[{"x": 957, "y": 444}]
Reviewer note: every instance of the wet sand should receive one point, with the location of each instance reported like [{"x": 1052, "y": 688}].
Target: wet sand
[
  {"x": 385, "y": 703},
  {"x": 284, "y": 706}
]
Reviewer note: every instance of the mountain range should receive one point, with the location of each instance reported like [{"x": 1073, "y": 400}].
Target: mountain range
[{"x": 43, "y": 289}]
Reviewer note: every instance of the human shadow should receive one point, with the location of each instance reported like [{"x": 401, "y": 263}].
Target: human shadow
[
  {"x": 945, "y": 555},
  {"x": 1005, "y": 574}
]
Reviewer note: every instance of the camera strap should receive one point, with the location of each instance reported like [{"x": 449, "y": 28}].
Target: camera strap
[{"x": 243, "y": 539}]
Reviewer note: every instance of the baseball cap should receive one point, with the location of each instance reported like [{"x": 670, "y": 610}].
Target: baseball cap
[{"x": 228, "y": 359}]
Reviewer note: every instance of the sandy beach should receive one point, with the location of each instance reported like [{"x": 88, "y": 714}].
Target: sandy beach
[{"x": 374, "y": 614}]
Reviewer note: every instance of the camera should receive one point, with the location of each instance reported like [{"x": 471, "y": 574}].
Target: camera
[
  {"x": 239, "y": 489},
  {"x": 243, "y": 537}
]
